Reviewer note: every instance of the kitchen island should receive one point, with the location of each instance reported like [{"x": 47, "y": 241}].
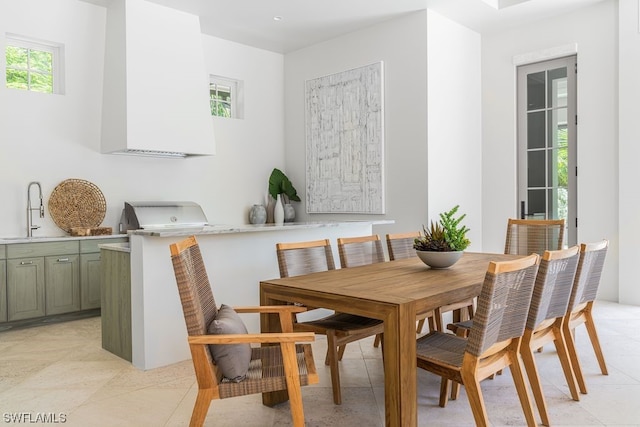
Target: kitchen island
[{"x": 237, "y": 258}]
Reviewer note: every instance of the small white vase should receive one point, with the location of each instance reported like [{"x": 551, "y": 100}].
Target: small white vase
[{"x": 278, "y": 211}]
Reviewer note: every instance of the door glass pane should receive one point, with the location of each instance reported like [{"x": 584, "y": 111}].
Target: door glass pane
[
  {"x": 558, "y": 127},
  {"x": 536, "y": 130},
  {"x": 536, "y": 207},
  {"x": 536, "y": 169},
  {"x": 557, "y": 88},
  {"x": 536, "y": 91}
]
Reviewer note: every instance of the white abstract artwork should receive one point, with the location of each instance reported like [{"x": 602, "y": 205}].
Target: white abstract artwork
[{"x": 345, "y": 141}]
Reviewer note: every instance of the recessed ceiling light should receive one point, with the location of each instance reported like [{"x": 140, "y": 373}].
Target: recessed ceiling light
[{"x": 277, "y": 18}]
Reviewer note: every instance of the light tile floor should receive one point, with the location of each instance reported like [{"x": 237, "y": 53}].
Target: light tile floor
[{"x": 61, "y": 369}]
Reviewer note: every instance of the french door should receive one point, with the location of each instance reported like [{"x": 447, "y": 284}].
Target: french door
[{"x": 547, "y": 119}]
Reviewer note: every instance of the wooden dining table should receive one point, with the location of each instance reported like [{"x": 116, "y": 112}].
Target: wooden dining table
[{"x": 395, "y": 292}]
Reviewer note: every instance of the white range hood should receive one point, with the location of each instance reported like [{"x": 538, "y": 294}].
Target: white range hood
[{"x": 155, "y": 93}]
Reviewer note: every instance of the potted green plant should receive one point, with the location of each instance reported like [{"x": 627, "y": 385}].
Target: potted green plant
[
  {"x": 280, "y": 184},
  {"x": 283, "y": 192},
  {"x": 443, "y": 243}
]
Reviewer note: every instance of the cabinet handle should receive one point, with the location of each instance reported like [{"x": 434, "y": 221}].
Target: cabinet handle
[
  {"x": 63, "y": 259},
  {"x": 26, "y": 262}
]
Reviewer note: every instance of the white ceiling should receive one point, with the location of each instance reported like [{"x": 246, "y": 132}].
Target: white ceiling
[{"x": 306, "y": 22}]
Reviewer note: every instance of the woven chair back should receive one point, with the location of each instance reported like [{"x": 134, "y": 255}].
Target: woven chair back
[
  {"x": 400, "y": 246},
  {"x": 357, "y": 252},
  {"x": 553, "y": 285},
  {"x": 587, "y": 280},
  {"x": 304, "y": 258},
  {"x": 502, "y": 308},
  {"x": 529, "y": 236},
  {"x": 198, "y": 304}
]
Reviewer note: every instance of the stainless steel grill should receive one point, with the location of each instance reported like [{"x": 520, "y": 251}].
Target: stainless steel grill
[{"x": 161, "y": 215}]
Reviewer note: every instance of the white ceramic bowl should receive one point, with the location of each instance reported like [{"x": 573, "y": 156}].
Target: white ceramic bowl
[{"x": 438, "y": 260}]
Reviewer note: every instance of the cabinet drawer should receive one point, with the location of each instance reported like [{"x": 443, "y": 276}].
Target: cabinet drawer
[
  {"x": 91, "y": 245},
  {"x": 26, "y": 250}
]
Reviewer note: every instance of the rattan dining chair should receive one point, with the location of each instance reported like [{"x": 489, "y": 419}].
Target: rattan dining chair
[
  {"x": 544, "y": 323},
  {"x": 300, "y": 258},
  {"x": 400, "y": 246},
  {"x": 524, "y": 237},
  {"x": 494, "y": 340},
  {"x": 533, "y": 236},
  {"x": 362, "y": 250},
  {"x": 580, "y": 308},
  {"x": 285, "y": 366},
  {"x": 357, "y": 251}
]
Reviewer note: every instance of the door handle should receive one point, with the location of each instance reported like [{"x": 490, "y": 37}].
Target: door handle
[
  {"x": 522, "y": 210},
  {"x": 63, "y": 259},
  {"x": 26, "y": 262}
]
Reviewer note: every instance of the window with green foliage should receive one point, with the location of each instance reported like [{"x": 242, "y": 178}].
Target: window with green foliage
[
  {"x": 31, "y": 65},
  {"x": 225, "y": 97}
]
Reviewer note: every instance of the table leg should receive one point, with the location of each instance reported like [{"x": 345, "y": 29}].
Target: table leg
[{"x": 400, "y": 366}]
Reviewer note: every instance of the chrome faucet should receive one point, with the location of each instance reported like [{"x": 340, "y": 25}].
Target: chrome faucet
[{"x": 30, "y": 226}]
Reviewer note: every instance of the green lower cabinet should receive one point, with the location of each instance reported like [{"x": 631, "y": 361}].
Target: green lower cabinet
[
  {"x": 3, "y": 291},
  {"x": 25, "y": 288},
  {"x": 62, "y": 285},
  {"x": 89, "y": 281}
]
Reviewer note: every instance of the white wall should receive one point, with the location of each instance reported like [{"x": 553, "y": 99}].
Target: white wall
[
  {"x": 629, "y": 149},
  {"x": 455, "y": 129},
  {"x": 594, "y": 29},
  {"x": 50, "y": 138}
]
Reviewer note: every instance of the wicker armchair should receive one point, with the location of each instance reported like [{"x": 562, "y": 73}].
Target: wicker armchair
[
  {"x": 340, "y": 328},
  {"x": 494, "y": 340},
  {"x": 583, "y": 294},
  {"x": 286, "y": 366},
  {"x": 544, "y": 323}
]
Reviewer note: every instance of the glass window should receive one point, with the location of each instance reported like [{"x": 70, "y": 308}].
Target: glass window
[
  {"x": 225, "y": 97},
  {"x": 32, "y": 65}
]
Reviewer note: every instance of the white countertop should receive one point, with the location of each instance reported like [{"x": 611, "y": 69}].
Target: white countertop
[
  {"x": 118, "y": 247},
  {"x": 38, "y": 239},
  {"x": 248, "y": 228}
]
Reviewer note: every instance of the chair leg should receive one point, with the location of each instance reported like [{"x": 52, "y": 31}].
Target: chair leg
[
  {"x": 531, "y": 369},
  {"x": 376, "y": 342},
  {"x": 293, "y": 383},
  {"x": 332, "y": 355},
  {"x": 455, "y": 390},
  {"x": 521, "y": 388},
  {"x": 444, "y": 391},
  {"x": 201, "y": 407},
  {"x": 573, "y": 356},
  {"x": 420, "y": 326},
  {"x": 593, "y": 336},
  {"x": 341, "y": 350},
  {"x": 432, "y": 322},
  {"x": 474, "y": 394},
  {"x": 565, "y": 362}
]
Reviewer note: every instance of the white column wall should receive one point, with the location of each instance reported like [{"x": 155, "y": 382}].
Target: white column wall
[
  {"x": 629, "y": 128},
  {"x": 454, "y": 123}
]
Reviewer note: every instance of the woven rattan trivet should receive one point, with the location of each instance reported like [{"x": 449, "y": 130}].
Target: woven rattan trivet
[{"x": 77, "y": 203}]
